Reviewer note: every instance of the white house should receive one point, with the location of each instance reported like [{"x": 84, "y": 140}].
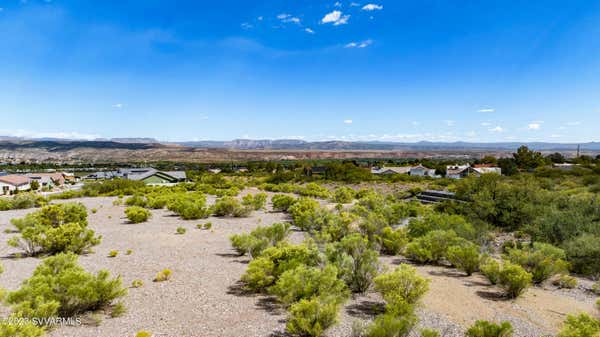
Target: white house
[
  {"x": 391, "y": 170},
  {"x": 422, "y": 171},
  {"x": 486, "y": 168},
  {"x": 13, "y": 182},
  {"x": 457, "y": 171}
]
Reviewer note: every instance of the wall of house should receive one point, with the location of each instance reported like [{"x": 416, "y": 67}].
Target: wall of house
[
  {"x": 8, "y": 188},
  {"x": 156, "y": 180}
]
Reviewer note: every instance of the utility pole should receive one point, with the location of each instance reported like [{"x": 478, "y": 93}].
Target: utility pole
[{"x": 578, "y": 148}]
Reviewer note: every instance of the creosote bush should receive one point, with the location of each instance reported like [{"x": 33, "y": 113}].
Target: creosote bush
[
  {"x": 582, "y": 325},
  {"x": 491, "y": 269},
  {"x": 137, "y": 283},
  {"x": 143, "y": 334},
  {"x": 22, "y": 329},
  {"x": 181, "y": 230},
  {"x": 54, "y": 229},
  {"x": 189, "y": 206},
  {"x": 260, "y": 239},
  {"x": 60, "y": 287},
  {"x": 565, "y": 281},
  {"x": 163, "y": 275},
  {"x": 136, "y": 214},
  {"x": 514, "y": 279},
  {"x": 433, "y": 246},
  {"x": 488, "y": 329},
  {"x": 391, "y": 241},
  {"x": 113, "y": 253},
  {"x": 343, "y": 195}
]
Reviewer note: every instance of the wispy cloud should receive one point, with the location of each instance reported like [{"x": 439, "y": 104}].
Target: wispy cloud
[
  {"x": 534, "y": 126},
  {"x": 486, "y": 110},
  {"x": 363, "y": 44},
  {"x": 486, "y": 123},
  {"x": 336, "y": 17},
  {"x": 309, "y": 31},
  {"x": 246, "y": 25},
  {"x": 450, "y": 122},
  {"x": 496, "y": 129},
  {"x": 348, "y": 121},
  {"x": 337, "y": 4},
  {"x": 576, "y": 123},
  {"x": 288, "y": 18},
  {"x": 118, "y": 106},
  {"x": 354, "y": 4},
  {"x": 372, "y": 7}
]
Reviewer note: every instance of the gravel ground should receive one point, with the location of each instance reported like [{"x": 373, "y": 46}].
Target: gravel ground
[{"x": 204, "y": 298}]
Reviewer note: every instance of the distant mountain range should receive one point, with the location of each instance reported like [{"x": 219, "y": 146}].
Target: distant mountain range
[{"x": 290, "y": 144}]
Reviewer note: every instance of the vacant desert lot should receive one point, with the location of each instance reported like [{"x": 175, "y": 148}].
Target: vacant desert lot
[{"x": 204, "y": 298}]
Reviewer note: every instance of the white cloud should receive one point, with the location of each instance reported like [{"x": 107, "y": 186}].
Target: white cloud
[
  {"x": 363, "y": 44},
  {"x": 372, "y": 7},
  {"x": 496, "y": 129},
  {"x": 486, "y": 110},
  {"x": 287, "y": 18},
  {"x": 309, "y": 31},
  {"x": 58, "y": 135},
  {"x": 415, "y": 123},
  {"x": 348, "y": 121},
  {"x": 337, "y": 4},
  {"x": 335, "y": 17},
  {"x": 118, "y": 106},
  {"x": 534, "y": 126},
  {"x": 574, "y": 123},
  {"x": 486, "y": 123},
  {"x": 260, "y": 18},
  {"x": 246, "y": 25},
  {"x": 450, "y": 123},
  {"x": 354, "y": 4},
  {"x": 555, "y": 136}
]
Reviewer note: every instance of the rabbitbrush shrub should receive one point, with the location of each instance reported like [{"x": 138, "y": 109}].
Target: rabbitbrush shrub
[
  {"x": 255, "y": 202},
  {"x": 60, "y": 287},
  {"x": 392, "y": 241},
  {"x": 259, "y": 239},
  {"x": 542, "y": 260},
  {"x": 491, "y": 269},
  {"x": 311, "y": 317},
  {"x": 55, "y": 229},
  {"x": 582, "y": 325},
  {"x": 514, "y": 279},
  {"x": 306, "y": 282},
  {"x": 229, "y": 206},
  {"x": 464, "y": 257},
  {"x": 20, "y": 329},
  {"x": 356, "y": 262},
  {"x": 403, "y": 284},
  {"x": 488, "y": 329},
  {"x": 163, "y": 275},
  {"x": 282, "y": 202},
  {"x": 136, "y": 214}
]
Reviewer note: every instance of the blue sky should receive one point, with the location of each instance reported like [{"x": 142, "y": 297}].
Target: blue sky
[{"x": 316, "y": 70}]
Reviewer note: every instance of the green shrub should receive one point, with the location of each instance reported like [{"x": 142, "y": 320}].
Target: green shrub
[
  {"x": 255, "y": 202},
  {"x": 136, "y": 214},
  {"x": 229, "y": 206},
  {"x": 390, "y": 325},
  {"x": 55, "y": 229},
  {"x": 189, "y": 206},
  {"x": 433, "y": 246},
  {"x": 514, "y": 279},
  {"x": 313, "y": 190},
  {"x": 565, "y": 281},
  {"x": 582, "y": 325},
  {"x": 181, "y": 230},
  {"x": 392, "y": 241},
  {"x": 343, "y": 195},
  {"x": 163, "y": 275},
  {"x": 113, "y": 253},
  {"x": 208, "y": 225},
  {"x": 259, "y": 239},
  {"x": 419, "y": 227},
  {"x": 306, "y": 282},
  {"x": 403, "y": 285},
  {"x": 356, "y": 262},
  {"x": 137, "y": 283},
  {"x": 311, "y": 317},
  {"x": 491, "y": 269},
  {"x": 596, "y": 288},
  {"x": 94, "y": 211},
  {"x": 542, "y": 260},
  {"x": 129, "y": 252},
  {"x": 157, "y": 202},
  {"x": 583, "y": 252},
  {"x": 430, "y": 333},
  {"x": 304, "y": 212},
  {"x": 20, "y": 329},
  {"x": 282, "y": 202},
  {"x": 464, "y": 257},
  {"x": 136, "y": 200},
  {"x": 264, "y": 271},
  {"x": 488, "y": 329},
  {"x": 59, "y": 286}
]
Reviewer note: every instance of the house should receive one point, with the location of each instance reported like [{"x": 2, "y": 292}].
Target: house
[
  {"x": 153, "y": 176},
  {"x": 214, "y": 170},
  {"x": 11, "y": 183},
  {"x": 422, "y": 171},
  {"x": 69, "y": 177},
  {"x": 480, "y": 169},
  {"x": 102, "y": 175},
  {"x": 2, "y": 173},
  {"x": 319, "y": 170},
  {"x": 457, "y": 171},
  {"x": 391, "y": 170},
  {"x": 47, "y": 179}
]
